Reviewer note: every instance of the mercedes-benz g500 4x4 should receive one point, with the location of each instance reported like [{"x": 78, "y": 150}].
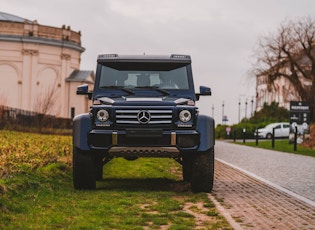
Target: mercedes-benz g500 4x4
[{"x": 143, "y": 106}]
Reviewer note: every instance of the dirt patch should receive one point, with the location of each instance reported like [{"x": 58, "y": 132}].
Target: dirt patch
[{"x": 201, "y": 214}]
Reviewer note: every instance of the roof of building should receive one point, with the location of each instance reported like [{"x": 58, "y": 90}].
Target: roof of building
[
  {"x": 81, "y": 76},
  {"x": 10, "y": 17},
  {"x": 38, "y": 34}
]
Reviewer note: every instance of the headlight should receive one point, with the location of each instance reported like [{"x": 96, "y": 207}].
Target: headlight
[
  {"x": 102, "y": 115},
  {"x": 184, "y": 115}
]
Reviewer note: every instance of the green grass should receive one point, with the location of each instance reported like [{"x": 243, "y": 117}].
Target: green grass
[
  {"x": 145, "y": 193},
  {"x": 283, "y": 146}
]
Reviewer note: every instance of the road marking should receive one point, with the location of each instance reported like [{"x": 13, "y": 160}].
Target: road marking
[{"x": 308, "y": 201}]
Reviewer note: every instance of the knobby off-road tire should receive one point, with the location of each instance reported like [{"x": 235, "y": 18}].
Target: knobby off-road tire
[
  {"x": 187, "y": 166},
  {"x": 98, "y": 161},
  {"x": 203, "y": 171},
  {"x": 84, "y": 172}
]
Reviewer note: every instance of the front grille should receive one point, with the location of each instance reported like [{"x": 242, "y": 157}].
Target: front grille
[{"x": 133, "y": 116}]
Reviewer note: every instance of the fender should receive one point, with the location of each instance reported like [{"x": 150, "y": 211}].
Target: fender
[
  {"x": 205, "y": 126},
  {"x": 81, "y": 128}
]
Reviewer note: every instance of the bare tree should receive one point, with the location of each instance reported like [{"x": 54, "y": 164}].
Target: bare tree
[
  {"x": 290, "y": 53},
  {"x": 45, "y": 104},
  {"x": 3, "y": 102}
]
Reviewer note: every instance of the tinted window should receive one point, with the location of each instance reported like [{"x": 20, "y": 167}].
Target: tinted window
[{"x": 278, "y": 127}]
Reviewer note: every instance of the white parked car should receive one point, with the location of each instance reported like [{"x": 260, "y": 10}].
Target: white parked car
[{"x": 282, "y": 129}]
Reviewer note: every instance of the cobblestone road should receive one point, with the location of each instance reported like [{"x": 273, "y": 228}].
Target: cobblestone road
[
  {"x": 293, "y": 172},
  {"x": 253, "y": 204}
]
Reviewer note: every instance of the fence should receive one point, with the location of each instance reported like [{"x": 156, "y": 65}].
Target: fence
[{"x": 13, "y": 117}]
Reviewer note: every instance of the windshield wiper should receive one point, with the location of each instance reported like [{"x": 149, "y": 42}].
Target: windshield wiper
[
  {"x": 118, "y": 87},
  {"x": 164, "y": 92}
]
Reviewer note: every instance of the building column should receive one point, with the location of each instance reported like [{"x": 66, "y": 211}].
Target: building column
[
  {"x": 28, "y": 79},
  {"x": 65, "y": 66}
]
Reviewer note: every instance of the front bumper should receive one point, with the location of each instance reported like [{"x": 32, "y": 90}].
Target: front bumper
[
  {"x": 143, "y": 141},
  {"x": 260, "y": 135}
]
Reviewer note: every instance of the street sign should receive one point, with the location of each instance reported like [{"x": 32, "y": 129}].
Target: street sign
[
  {"x": 299, "y": 117},
  {"x": 228, "y": 130}
]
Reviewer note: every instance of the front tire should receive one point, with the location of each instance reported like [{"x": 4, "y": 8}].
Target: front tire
[
  {"x": 187, "y": 166},
  {"x": 84, "y": 174},
  {"x": 203, "y": 171},
  {"x": 99, "y": 167},
  {"x": 269, "y": 136}
]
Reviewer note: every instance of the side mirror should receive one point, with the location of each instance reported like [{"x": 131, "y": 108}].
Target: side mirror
[
  {"x": 204, "y": 91},
  {"x": 84, "y": 90}
]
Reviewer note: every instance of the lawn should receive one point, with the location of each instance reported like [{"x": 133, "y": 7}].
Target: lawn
[
  {"x": 36, "y": 191},
  {"x": 281, "y": 145}
]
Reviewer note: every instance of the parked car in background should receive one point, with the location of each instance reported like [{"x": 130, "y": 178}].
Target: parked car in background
[{"x": 282, "y": 129}]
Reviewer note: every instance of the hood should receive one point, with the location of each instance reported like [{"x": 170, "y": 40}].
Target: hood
[
  {"x": 133, "y": 100},
  {"x": 262, "y": 130}
]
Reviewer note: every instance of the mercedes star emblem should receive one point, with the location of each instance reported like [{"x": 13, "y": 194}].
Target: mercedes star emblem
[{"x": 143, "y": 117}]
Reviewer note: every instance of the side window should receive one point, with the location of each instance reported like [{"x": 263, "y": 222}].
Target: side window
[{"x": 278, "y": 127}]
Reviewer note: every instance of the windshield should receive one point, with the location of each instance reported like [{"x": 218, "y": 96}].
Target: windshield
[
  {"x": 172, "y": 77},
  {"x": 270, "y": 126}
]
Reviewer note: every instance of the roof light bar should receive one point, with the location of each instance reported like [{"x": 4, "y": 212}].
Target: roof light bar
[
  {"x": 180, "y": 56},
  {"x": 104, "y": 56}
]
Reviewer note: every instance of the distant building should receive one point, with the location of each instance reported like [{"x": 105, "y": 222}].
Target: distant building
[
  {"x": 39, "y": 64},
  {"x": 281, "y": 91}
]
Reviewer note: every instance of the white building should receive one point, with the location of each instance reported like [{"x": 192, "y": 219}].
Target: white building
[
  {"x": 281, "y": 91},
  {"x": 40, "y": 63}
]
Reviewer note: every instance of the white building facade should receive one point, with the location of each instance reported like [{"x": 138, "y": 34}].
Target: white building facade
[
  {"x": 39, "y": 64},
  {"x": 281, "y": 91}
]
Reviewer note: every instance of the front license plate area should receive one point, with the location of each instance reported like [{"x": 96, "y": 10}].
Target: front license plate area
[{"x": 144, "y": 133}]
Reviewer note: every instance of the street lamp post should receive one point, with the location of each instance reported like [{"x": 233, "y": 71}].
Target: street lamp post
[
  {"x": 222, "y": 112},
  {"x": 239, "y": 110},
  {"x": 212, "y": 110},
  {"x": 246, "y": 109},
  {"x": 252, "y": 101}
]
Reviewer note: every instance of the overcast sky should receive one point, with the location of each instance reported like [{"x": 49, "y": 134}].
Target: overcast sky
[{"x": 220, "y": 36}]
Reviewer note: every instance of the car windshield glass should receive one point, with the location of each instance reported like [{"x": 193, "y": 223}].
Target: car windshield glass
[
  {"x": 270, "y": 126},
  {"x": 118, "y": 87},
  {"x": 169, "y": 76}
]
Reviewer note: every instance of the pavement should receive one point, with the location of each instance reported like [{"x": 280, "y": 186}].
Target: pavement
[
  {"x": 263, "y": 189},
  {"x": 248, "y": 203},
  {"x": 292, "y": 172}
]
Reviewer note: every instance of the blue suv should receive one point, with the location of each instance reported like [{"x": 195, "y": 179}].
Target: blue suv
[{"x": 143, "y": 106}]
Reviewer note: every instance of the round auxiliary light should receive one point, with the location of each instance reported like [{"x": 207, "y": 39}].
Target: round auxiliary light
[
  {"x": 184, "y": 115},
  {"x": 102, "y": 115}
]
